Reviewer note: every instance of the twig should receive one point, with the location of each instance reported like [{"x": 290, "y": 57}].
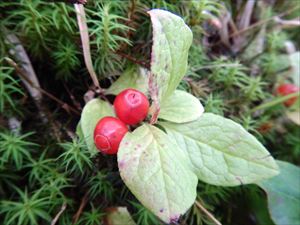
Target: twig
[
  {"x": 243, "y": 24},
  {"x": 71, "y": 1},
  {"x": 23, "y": 75},
  {"x": 75, "y": 102},
  {"x": 134, "y": 60},
  {"x": 18, "y": 52},
  {"x": 80, "y": 209},
  {"x": 263, "y": 22},
  {"x": 62, "y": 209},
  {"x": 254, "y": 25},
  {"x": 246, "y": 15},
  {"x": 31, "y": 82},
  {"x": 224, "y": 31},
  {"x": 287, "y": 23},
  {"x": 201, "y": 207},
  {"x": 84, "y": 35}
]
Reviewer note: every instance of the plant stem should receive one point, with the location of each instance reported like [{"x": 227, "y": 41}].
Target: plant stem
[
  {"x": 201, "y": 207},
  {"x": 274, "y": 102}
]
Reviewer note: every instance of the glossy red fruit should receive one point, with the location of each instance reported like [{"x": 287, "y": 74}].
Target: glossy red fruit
[
  {"x": 131, "y": 106},
  {"x": 108, "y": 134},
  {"x": 286, "y": 89}
]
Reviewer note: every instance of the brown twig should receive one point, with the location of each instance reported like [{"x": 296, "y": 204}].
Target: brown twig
[
  {"x": 288, "y": 23},
  {"x": 263, "y": 22},
  {"x": 254, "y": 25},
  {"x": 62, "y": 209},
  {"x": 71, "y": 1},
  {"x": 134, "y": 60},
  {"x": 75, "y": 102},
  {"x": 201, "y": 207},
  {"x": 22, "y": 74},
  {"x": 80, "y": 209},
  {"x": 19, "y": 54}
]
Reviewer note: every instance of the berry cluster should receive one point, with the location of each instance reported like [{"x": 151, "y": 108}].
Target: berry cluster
[{"x": 131, "y": 107}]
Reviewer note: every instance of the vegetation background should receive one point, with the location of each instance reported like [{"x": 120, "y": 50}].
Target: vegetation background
[{"x": 241, "y": 52}]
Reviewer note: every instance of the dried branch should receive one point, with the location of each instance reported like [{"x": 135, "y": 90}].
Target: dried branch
[
  {"x": 24, "y": 77},
  {"x": 29, "y": 79},
  {"x": 261, "y": 22},
  {"x": 132, "y": 59},
  {"x": 224, "y": 31},
  {"x": 201, "y": 207},
  {"x": 21, "y": 56},
  {"x": 225, "y": 37},
  {"x": 71, "y": 1},
  {"x": 287, "y": 23},
  {"x": 243, "y": 23}
]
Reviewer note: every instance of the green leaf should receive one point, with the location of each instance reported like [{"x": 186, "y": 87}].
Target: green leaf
[
  {"x": 172, "y": 39},
  {"x": 283, "y": 193},
  {"x": 119, "y": 216},
  {"x": 133, "y": 77},
  {"x": 181, "y": 107},
  {"x": 157, "y": 172},
  {"x": 221, "y": 151},
  {"x": 92, "y": 112}
]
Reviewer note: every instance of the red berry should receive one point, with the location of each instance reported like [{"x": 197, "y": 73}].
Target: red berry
[
  {"x": 286, "y": 89},
  {"x": 131, "y": 106},
  {"x": 108, "y": 134}
]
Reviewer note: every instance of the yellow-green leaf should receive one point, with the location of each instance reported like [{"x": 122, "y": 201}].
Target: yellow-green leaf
[
  {"x": 157, "y": 172},
  {"x": 221, "y": 151},
  {"x": 181, "y": 107}
]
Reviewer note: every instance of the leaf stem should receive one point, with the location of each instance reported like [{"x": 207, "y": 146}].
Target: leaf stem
[{"x": 201, "y": 207}]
